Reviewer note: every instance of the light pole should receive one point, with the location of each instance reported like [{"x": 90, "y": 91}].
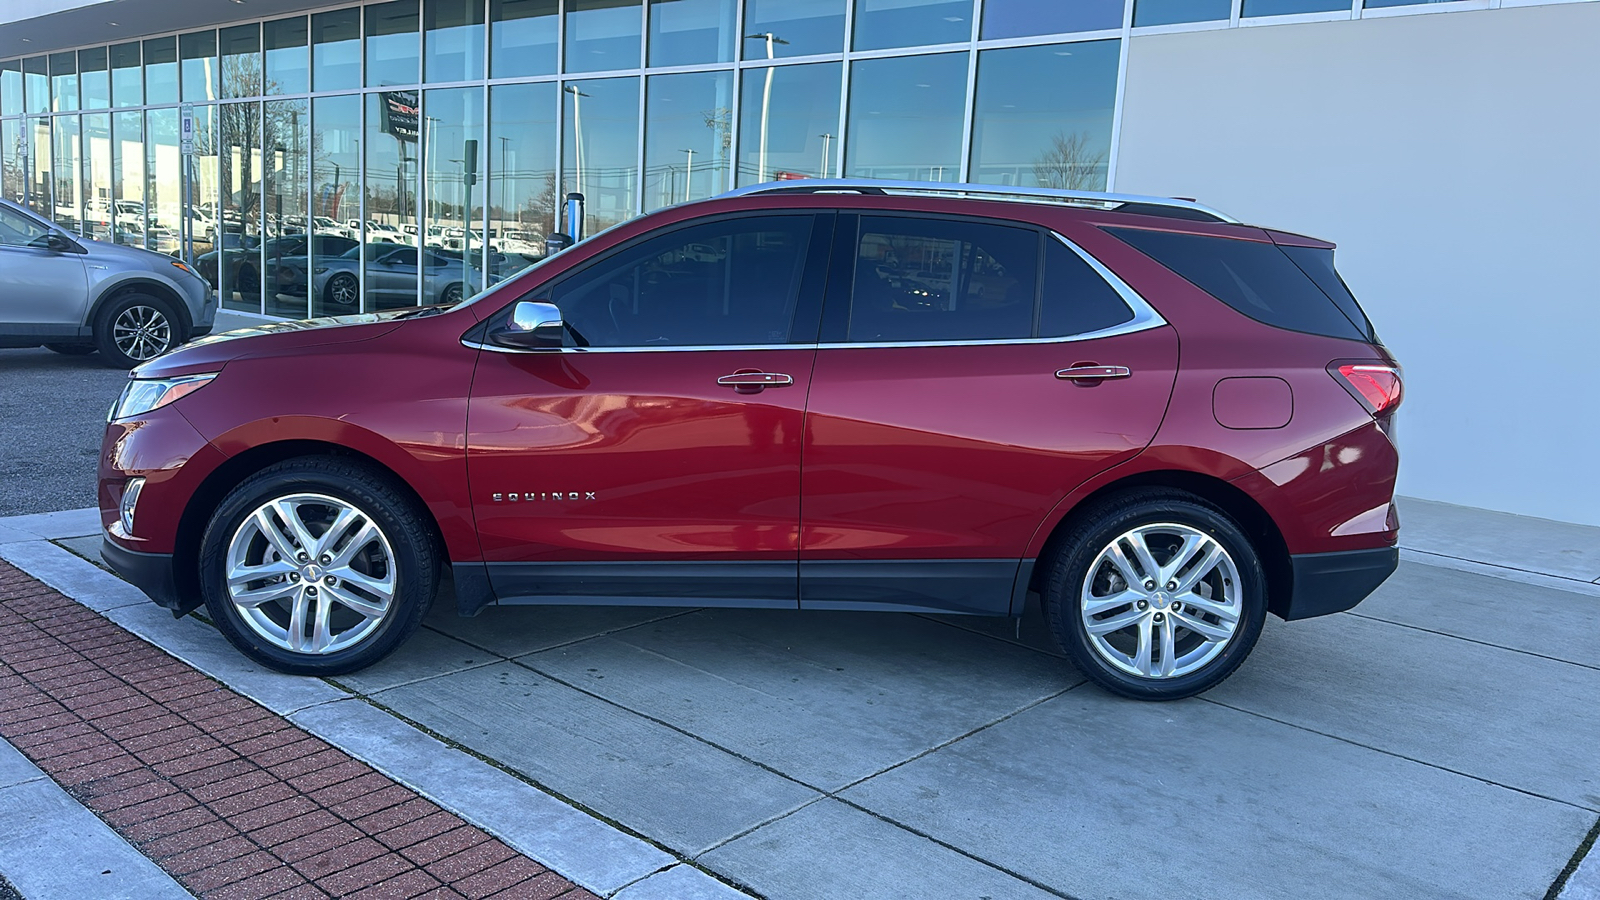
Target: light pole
[
  {"x": 577, "y": 128},
  {"x": 827, "y": 141},
  {"x": 766, "y": 100},
  {"x": 688, "y": 175}
]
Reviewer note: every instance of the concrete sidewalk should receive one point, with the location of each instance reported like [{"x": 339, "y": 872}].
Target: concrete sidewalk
[{"x": 1430, "y": 744}]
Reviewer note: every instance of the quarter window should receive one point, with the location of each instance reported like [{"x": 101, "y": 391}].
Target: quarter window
[
  {"x": 733, "y": 282},
  {"x": 932, "y": 280},
  {"x": 1076, "y": 300}
]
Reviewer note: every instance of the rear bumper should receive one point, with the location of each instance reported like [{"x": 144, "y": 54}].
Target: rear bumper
[
  {"x": 149, "y": 572},
  {"x": 1327, "y": 583}
]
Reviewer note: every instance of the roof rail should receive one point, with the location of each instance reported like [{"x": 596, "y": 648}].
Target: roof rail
[{"x": 1140, "y": 203}]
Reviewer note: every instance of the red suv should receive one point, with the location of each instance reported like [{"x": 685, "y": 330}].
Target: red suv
[{"x": 828, "y": 395}]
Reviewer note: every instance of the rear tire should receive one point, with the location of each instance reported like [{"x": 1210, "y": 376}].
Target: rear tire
[
  {"x": 318, "y": 566},
  {"x": 135, "y": 328},
  {"x": 1156, "y": 595}
]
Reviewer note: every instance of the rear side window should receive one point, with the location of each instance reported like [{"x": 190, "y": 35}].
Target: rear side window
[
  {"x": 1256, "y": 279},
  {"x": 1076, "y": 299},
  {"x": 931, "y": 280},
  {"x": 1318, "y": 264}
]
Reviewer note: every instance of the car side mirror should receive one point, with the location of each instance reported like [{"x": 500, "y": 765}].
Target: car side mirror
[
  {"x": 532, "y": 325},
  {"x": 57, "y": 243}
]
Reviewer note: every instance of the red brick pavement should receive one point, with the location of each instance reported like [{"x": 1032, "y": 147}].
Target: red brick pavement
[{"x": 231, "y": 799}]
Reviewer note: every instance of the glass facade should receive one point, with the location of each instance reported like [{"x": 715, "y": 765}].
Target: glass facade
[{"x": 406, "y": 151}]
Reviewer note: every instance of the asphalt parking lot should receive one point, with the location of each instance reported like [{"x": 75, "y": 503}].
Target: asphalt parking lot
[{"x": 54, "y": 412}]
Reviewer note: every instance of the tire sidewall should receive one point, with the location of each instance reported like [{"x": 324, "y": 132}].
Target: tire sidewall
[
  {"x": 341, "y": 278},
  {"x": 1061, "y": 598},
  {"x": 415, "y": 577},
  {"x": 105, "y": 341}
]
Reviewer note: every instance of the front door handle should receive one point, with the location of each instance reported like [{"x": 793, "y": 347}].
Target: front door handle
[
  {"x": 755, "y": 382},
  {"x": 1093, "y": 373}
]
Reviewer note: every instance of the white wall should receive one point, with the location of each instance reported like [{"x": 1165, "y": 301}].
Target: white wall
[{"x": 1455, "y": 159}]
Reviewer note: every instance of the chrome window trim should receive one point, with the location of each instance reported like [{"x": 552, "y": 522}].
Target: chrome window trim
[{"x": 1144, "y": 318}]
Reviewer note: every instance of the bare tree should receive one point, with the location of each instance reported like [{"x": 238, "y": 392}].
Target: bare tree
[{"x": 1070, "y": 164}]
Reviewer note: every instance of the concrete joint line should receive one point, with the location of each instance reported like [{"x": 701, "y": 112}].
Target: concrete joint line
[{"x": 1505, "y": 573}]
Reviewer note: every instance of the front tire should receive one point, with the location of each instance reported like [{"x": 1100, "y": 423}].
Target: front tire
[
  {"x": 318, "y": 566},
  {"x": 135, "y": 328},
  {"x": 1156, "y": 595}
]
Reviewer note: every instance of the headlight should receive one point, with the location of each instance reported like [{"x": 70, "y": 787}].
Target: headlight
[
  {"x": 145, "y": 394},
  {"x": 320, "y": 270}
]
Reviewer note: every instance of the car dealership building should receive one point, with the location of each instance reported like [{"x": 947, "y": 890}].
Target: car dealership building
[{"x": 1451, "y": 149}]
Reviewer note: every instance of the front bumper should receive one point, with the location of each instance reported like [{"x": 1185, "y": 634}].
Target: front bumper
[
  {"x": 149, "y": 572},
  {"x": 1327, "y": 583}
]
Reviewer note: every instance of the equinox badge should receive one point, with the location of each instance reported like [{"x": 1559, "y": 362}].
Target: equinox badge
[{"x": 532, "y": 497}]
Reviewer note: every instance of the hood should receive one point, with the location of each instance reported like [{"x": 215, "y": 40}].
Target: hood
[
  {"x": 126, "y": 256},
  {"x": 210, "y": 353}
]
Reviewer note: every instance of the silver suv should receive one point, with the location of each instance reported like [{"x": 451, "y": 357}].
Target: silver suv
[{"x": 77, "y": 296}]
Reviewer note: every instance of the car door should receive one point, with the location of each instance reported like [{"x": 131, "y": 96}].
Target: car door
[
  {"x": 42, "y": 291},
  {"x": 392, "y": 276},
  {"x": 953, "y": 405},
  {"x": 656, "y": 457}
]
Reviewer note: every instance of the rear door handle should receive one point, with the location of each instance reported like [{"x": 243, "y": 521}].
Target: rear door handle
[
  {"x": 1093, "y": 373},
  {"x": 755, "y": 382}
]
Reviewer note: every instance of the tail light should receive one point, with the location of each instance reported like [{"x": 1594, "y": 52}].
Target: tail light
[{"x": 1378, "y": 386}]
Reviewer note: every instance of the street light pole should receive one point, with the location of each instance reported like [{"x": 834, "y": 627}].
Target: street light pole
[
  {"x": 688, "y": 175},
  {"x": 827, "y": 141},
  {"x": 577, "y": 127},
  {"x": 766, "y": 100}
]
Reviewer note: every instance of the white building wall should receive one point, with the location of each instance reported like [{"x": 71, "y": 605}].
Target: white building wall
[{"x": 1455, "y": 159}]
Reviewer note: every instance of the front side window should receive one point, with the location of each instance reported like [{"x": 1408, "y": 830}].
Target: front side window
[
  {"x": 733, "y": 282},
  {"x": 17, "y": 230},
  {"x": 933, "y": 280}
]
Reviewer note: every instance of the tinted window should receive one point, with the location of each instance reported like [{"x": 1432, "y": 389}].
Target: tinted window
[
  {"x": 1076, "y": 299},
  {"x": 928, "y": 280},
  {"x": 728, "y": 283},
  {"x": 19, "y": 230},
  {"x": 1318, "y": 264},
  {"x": 1254, "y": 278}
]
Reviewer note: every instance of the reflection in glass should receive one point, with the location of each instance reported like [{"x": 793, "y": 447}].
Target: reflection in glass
[
  {"x": 68, "y": 160},
  {"x": 806, "y": 27},
  {"x": 163, "y": 195},
  {"x": 13, "y": 161},
  {"x": 796, "y": 133},
  {"x": 64, "y": 81},
  {"x": 11, "y": 87},
  {"x": 391, "y": 194},
  {"x": 687, "y": 135},
  {"x": 36, "y": 84},
  {"x": 239, "y": 129},
  {"x": 41, "y": 190},
  {"x": 1172, "y": 12},
  {"x": 161, "y": 71},
  {"x": 392, "y": 43},
  {"x": 1290, "y": 7},
  {"x": 905, "y": 118},
  {"x": 128, "y": 185},
  {"x": 602, "y": 34},
  {"x": 97, "y": 176},
  {"x": 600, "y": 119},
  {"x": 686, "y": 32},
  {"x": 1060, "y": 138},
  {"x": 453, "y": 192},
  {"x": 198, "y": 56},
  {"x": 909, "y": 23},
  {"x": 127, "y": 85},
  {"x": 335, "y": 197},
  {"x": 522, "y": 37},
  {"x": 522, "y": 185},
  {"x": 285, "y": 142},
  {"x": 241, "y": 61},
  {"x": 454, "y": 36},
  {"x": 287, "y": 63},
  {"x": 336, "y": 49},
  {"x": 1017, "y": 18},
  {"x": 94, "y": 78}
]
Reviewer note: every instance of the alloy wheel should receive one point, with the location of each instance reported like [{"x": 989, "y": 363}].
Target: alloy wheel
[
  {"x": 1161, "y": 601},
  {"x": 142, "y": 333},
  {"x": 311, "y": 574}
]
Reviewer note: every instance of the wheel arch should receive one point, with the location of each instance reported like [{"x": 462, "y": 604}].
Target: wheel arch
[
  {"x": 1252, "y": 518},
  {"x": 111, "y": 293},
  {"x": 235, "y": 469}
]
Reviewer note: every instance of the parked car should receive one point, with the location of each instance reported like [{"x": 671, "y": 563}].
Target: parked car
[
  {"x": 76, "y": 296},
  {"x": 836, "y": 395},
  {"x": 244, "y": 260},
  {"x": 391, "y": 278},
  {"x": 288, "y": 269}
]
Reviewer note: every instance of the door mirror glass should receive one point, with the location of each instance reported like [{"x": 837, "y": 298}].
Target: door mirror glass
[
  {"x": 56, "y": 242},
  {"x": 532, "y": 325}
]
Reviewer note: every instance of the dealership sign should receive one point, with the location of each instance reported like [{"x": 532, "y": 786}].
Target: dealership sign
[{"x": 399, "y": 114}]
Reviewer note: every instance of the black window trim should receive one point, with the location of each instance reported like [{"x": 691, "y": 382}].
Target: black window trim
[{"x": 836, "y": 305}]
